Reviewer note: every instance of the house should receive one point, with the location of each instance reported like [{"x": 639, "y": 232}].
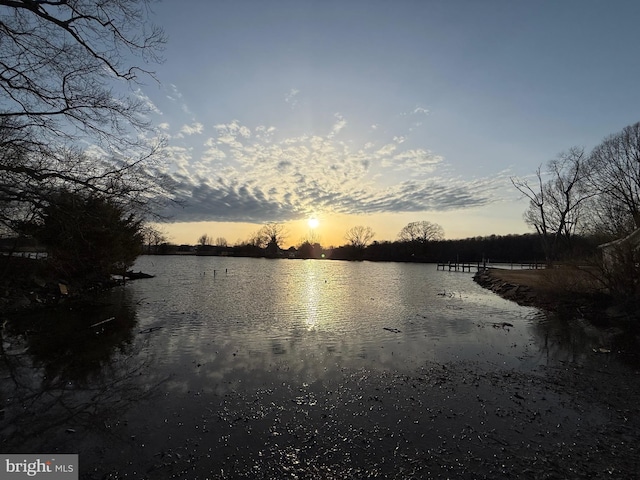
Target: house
[{"x": 613, "y": 252}]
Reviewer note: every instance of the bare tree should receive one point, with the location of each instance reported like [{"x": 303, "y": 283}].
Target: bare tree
[
  {"x": 221, "y": 242},
  {"x": 63, "y": 65},
  {"x": 271, "y": 237},
  {"x": 58, "y": 61},
  {"x": 359, "y": 236},
  {"x": 153, "y": 237},
  {"x": 556, "y": 205},
  {"x": 255, "y": 240},
  {"x": 615, "y": 175},
  {"x": 421, "y": 232},
  {"x": 28, "y": 176},
  {"x": 311, "y": 238},
  {"x": 204, "y": 240}
]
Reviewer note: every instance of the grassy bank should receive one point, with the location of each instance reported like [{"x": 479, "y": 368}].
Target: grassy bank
[{"x": 569, "y": 290}]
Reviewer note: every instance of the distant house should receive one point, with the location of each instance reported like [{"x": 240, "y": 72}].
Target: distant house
[{"x": 613, "y": 252}]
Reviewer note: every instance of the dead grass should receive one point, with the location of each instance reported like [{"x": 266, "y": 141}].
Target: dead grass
[{"x": 558, "y": 279}]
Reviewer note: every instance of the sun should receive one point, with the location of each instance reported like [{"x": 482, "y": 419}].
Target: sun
[{"x": 313, "y": 222}]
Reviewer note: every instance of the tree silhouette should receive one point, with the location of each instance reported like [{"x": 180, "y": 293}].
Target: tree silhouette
[
  {"x": 88, "y": 237},
  {"x": 58, "y": 60},
  {"x": 615, "y": 176},
  {"x": 62, "y": 66},
  {"x": 556, "y": 206},
  {"x": 204, "y": 240},
  {"x": 359, "y": 236},
  {"x": 421, "y": 232},
  {"x": 271, "y": 236}
]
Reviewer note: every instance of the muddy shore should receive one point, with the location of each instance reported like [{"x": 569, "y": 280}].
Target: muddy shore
[
  {"x": 446, "y": 421},
  {"x": 461, "y": 420}
]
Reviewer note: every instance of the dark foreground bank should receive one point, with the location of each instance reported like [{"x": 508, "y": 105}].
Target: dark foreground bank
[
  {"x": 445, "y": 421},
  {"x": 460, "y": 420}
]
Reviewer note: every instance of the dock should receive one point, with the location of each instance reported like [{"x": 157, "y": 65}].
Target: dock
[
  {"x": 461, "y": 266},
  {"x": 483, "y": 265}
]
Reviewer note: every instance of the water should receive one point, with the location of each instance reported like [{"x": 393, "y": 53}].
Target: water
[
  {"x": 243, "y": 317},
  {"x": 211, "y": 340}
]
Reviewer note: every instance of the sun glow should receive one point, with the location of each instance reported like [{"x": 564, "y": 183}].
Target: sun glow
[{"x": 313, "y": 222}]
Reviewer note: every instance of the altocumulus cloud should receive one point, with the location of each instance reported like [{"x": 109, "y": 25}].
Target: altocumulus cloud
[
  {"x": 191, "y": 129},
  {"x": 255, "y": 174}
]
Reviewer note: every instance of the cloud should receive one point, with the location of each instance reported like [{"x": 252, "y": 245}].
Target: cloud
[
  {"x": 175, "y": 96},
  {"x": 228, "y": 135},
  {"x": 415, "y": 116},
  {"x": 223, "y": 200},
  {"x": 339, "y": 124},
  {"x": 252, "y": 175},
  {"x": 292, "y": 97},
  {"x": 386, "y": 150},
  {"x": 419, "y": 161},
  {"x": 146, "y": 102},
  {"x": 418, "y": 110},
  {"x": 435, "y": 194},
  {"x": 195, "y": 127}
]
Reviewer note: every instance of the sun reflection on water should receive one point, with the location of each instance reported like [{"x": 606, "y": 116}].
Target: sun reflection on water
[{"x": 312, "y": 305}]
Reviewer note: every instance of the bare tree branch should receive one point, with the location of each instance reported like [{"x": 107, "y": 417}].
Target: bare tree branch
[
  {"x": 615, "y": 176},
  {"x": 556, "y": 205},
  {"x": 359, "y": 236},
  {"x": 421, "y": 232},
  {"x": 66, "y": 72}
]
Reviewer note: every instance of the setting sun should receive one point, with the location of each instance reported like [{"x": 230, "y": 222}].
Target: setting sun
[{"x": 313, "y": 223}]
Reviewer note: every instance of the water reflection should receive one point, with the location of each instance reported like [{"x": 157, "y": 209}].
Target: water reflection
[
  {"x": 563, "y": 339},
  {"x": 312, "y": 318},
  {"x": 188, "y": 338},
  {"x": 63, "y": 380},
  {"x": 64, "y": 345},
  {"x": 312, "y": 295}
]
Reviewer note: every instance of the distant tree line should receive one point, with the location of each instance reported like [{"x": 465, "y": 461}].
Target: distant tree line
[
  {"x": 420, "y": 241},
  {"x": 494, "y": 248}
]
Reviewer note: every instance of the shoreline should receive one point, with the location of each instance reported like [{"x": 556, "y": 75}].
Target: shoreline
[
  {"x": 571, "y": 293},
  {"x": 595, "y": 314}
]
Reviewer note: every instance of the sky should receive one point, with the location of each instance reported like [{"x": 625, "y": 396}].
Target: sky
[{"x": 381, "y": 113}]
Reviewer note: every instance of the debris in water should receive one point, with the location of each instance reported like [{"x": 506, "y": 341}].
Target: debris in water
[
  {"x": 150, "y": 329},
  {"x": 502, "y": 325},
  {"x": 103, "y": 322},
  {"x": 601, "y": 350}
]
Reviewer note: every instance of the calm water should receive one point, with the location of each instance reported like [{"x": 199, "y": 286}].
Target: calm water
[
  {"x": 243, "y": 317},
  {"x": 208, "y": 327}
]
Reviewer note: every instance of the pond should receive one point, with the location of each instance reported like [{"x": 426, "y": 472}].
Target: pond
[{"x": 238, "y": 367}]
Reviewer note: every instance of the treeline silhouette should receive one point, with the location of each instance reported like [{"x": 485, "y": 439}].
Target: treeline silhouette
[
  {"x": 495, "y": 248},
  {"x": 524, "y": 248}
]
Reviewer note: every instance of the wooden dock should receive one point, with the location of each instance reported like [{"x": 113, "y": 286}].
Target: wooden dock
[
  {"x": 483, "y": 265},
  {"x": 461, "y": 266}
]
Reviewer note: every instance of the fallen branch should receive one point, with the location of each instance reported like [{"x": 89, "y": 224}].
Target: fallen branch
[{"x": 102, "y": 322}]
